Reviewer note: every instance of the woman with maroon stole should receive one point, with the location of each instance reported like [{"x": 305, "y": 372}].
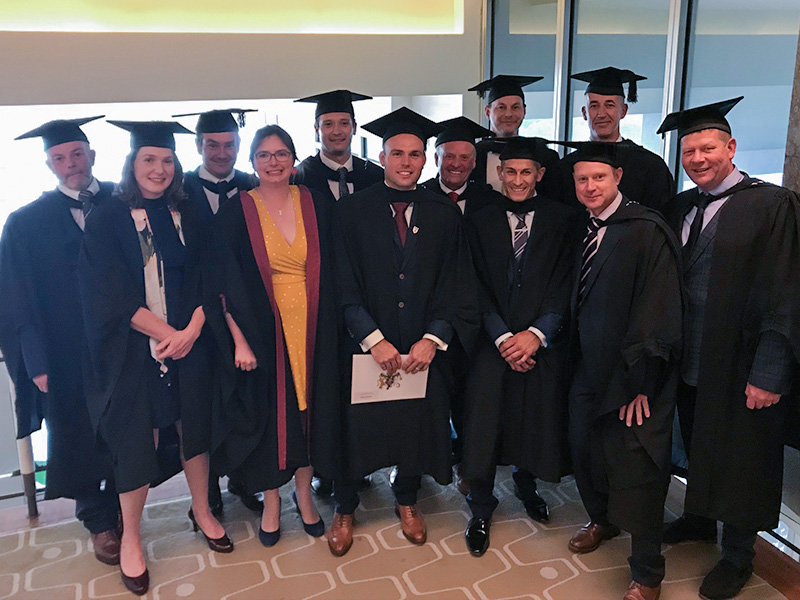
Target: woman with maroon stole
[{"x": 280, "y": 391}]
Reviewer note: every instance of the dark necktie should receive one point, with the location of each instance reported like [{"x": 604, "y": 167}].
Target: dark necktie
[
  {"x": 453, "y": 196},
  {"x": 400, "y": 219},
  {"x": 86, "y": 198},
  {"x": 520, "y": 237},
  {"x": 222, "y": 188},
  {"x": 590, "y": 246},
  {"x": 701, "y": 202},
  {"x": 344, "y": 189}
]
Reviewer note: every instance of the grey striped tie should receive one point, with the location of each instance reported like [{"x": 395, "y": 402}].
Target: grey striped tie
[
  {"x": 590, "y": 246},
  {"x": 520, "y": 237}
]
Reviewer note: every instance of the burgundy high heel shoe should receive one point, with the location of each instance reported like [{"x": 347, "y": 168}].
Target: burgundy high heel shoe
[
  {"x": 222, "y": 544},
  {"x": 136, "y": 585}
]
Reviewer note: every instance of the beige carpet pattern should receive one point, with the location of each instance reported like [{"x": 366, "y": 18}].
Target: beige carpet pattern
[{"x": 526, "y": 560}]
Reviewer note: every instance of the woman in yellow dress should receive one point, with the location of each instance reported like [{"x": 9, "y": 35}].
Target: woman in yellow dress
[{"x": 277, "y": 302}]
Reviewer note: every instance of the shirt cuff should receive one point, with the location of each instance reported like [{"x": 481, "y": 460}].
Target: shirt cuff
[
  {"x": 373, "y": 338},
  {"x": 538, "y": 333},
  {"x": 503, "y": 338},
  {"x": 439, "y": 343}
]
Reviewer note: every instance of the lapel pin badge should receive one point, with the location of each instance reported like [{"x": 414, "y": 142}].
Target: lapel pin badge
[{"x": 415, "y": 229}]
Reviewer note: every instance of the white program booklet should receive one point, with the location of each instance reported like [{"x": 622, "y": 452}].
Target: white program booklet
[{"x": 372, "y": 384}]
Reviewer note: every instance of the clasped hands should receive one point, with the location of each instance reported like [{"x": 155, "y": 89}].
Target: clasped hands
[
  {"x": 419, "y": 357},
  {"x": 519, "y": 350},
  {"x": 178, "y": 343}
]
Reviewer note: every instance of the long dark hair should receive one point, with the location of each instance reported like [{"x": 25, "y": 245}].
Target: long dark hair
[
  {"x": 268, "y": 131},
  {"x": 128, "y": 190}
]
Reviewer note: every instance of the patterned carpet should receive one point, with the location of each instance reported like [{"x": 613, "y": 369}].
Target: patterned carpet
[{"x": 526, "y": 559}]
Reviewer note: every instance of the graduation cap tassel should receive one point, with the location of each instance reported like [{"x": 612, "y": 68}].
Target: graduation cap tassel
[
  {"x": 241, "y": 119},
  {"x": 633, "y": 94}
]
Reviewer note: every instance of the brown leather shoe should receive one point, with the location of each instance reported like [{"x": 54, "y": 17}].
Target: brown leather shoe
[
  {"x": 589, "y": 537},
  {"x": 412, "y": 523},
  {"x": 106, "y": 547},
  {"x": 637, "y": 591},
  {"x": 340, "y": 536}
]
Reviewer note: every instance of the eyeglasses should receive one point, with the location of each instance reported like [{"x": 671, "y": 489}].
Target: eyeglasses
[{"x": 280, "y": 155}]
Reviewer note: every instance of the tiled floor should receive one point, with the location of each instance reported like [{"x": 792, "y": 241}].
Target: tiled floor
[{"x": 526, "y": 559}]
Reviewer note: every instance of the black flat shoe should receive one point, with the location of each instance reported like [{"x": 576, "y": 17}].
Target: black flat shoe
[
  {"x": 724, "y": 581},
  {"x": 315, "y": 529},
  {"x": 222, "y": 544},
  {"x": 251, "y": 501},
  {"x": 136, "y": 585},
  {"x": 477, "y": 536}
]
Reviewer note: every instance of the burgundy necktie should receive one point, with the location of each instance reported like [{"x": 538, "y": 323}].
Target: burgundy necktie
[
  {"x": 400, "y": 219},
  {"x": 453, "y": 196}
]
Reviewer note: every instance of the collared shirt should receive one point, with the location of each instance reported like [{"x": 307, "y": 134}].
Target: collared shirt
[
  {"x": 712, "y": 209},
  {"x": 605, "y": 215},
  {"x": 462, "y": 204},
  {"x": 77, "y": 213},
  {"x": 213, "y": 197},
  {"x": 332, "y": 164}
]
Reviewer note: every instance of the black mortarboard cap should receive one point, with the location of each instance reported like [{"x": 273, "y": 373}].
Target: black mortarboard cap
[
  {"x": 60, "y": 131},
  {"x": 709, "y": 116},
  {"x": 335, "y": 101},
  {"x": 603, "y": 152},
  {"x": 403, "y": 120},
  {"x": 500, "y": 86},
  {"x": 524, "y": 148},
  {"x": 152, "y": 133},
  {"x": 608, "y": 82},
  {"x": 219, "y": 121},
  {"x": 461, "y": 129}
]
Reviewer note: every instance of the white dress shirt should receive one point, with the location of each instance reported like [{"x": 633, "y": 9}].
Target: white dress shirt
[
  {"x": 462, "y": 204},
  {"x": 213, "y": 197},
  {"x": 332, "y": 164},
  {"x": 77, "y": 213},
  {"x": 712, "y": 209}
]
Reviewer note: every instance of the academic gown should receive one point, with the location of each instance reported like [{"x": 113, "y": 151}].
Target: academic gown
[
  {"x": 426, "y": 286},
  {"x": 41, "y": 331},
  {"x": 266, "y": 437},
  {"x": 626, "y": 340},
  {"x": 550, "y": 183},
  {"x": 475, "y": 196},
  {"x": 193, "y": 186},
  {"x": 753, "y": 287},
  {"x": 646, "y": 179},
  {"x": 315, "y": 175},
  {"x": 520, "y": 418},
  {"x": 111, "y": 277}
]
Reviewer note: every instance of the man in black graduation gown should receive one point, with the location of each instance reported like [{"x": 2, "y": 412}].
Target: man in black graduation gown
[
  {"x": 215, "y": 181},
  {"x": 406, "y": 288},
  {"x": 626, "y": 336},
  {"x": 646, "y": 178},
  {"x": 505, "y": 110},
  {"x": 210, "y": 186},
  {"x": 455, "y": 162},
  {"x": 334, "y": 170},
  {"x": 740, "y": 254},
  {"x": 523, "y": 249},
  {"x": 41, "y": 330}
]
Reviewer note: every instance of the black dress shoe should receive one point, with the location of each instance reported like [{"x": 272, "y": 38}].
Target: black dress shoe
[
  {"x": 215, "y": 499},
  {"x": 690, "y": 528},
  {"x": 251, "y": 501},
  {"x": 136, "y": 585},
  {"x": 322, "y": 487},
  {"x": 724, "y": 581},
  {"x": 477, "y": 536},
  {"x": 534, "y": 504}
]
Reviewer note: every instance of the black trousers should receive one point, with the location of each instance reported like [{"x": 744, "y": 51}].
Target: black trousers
[
  {"x": 737, "y": 543},
  {"x": 98, "y": 510},
  {"x": 345, "y": 492}
]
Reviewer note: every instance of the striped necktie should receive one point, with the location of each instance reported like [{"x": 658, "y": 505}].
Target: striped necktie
[
  {"x": 520, "y": 236},
  {"x": 590, "y": 246},
  {"x": 85, "y": 197}
]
